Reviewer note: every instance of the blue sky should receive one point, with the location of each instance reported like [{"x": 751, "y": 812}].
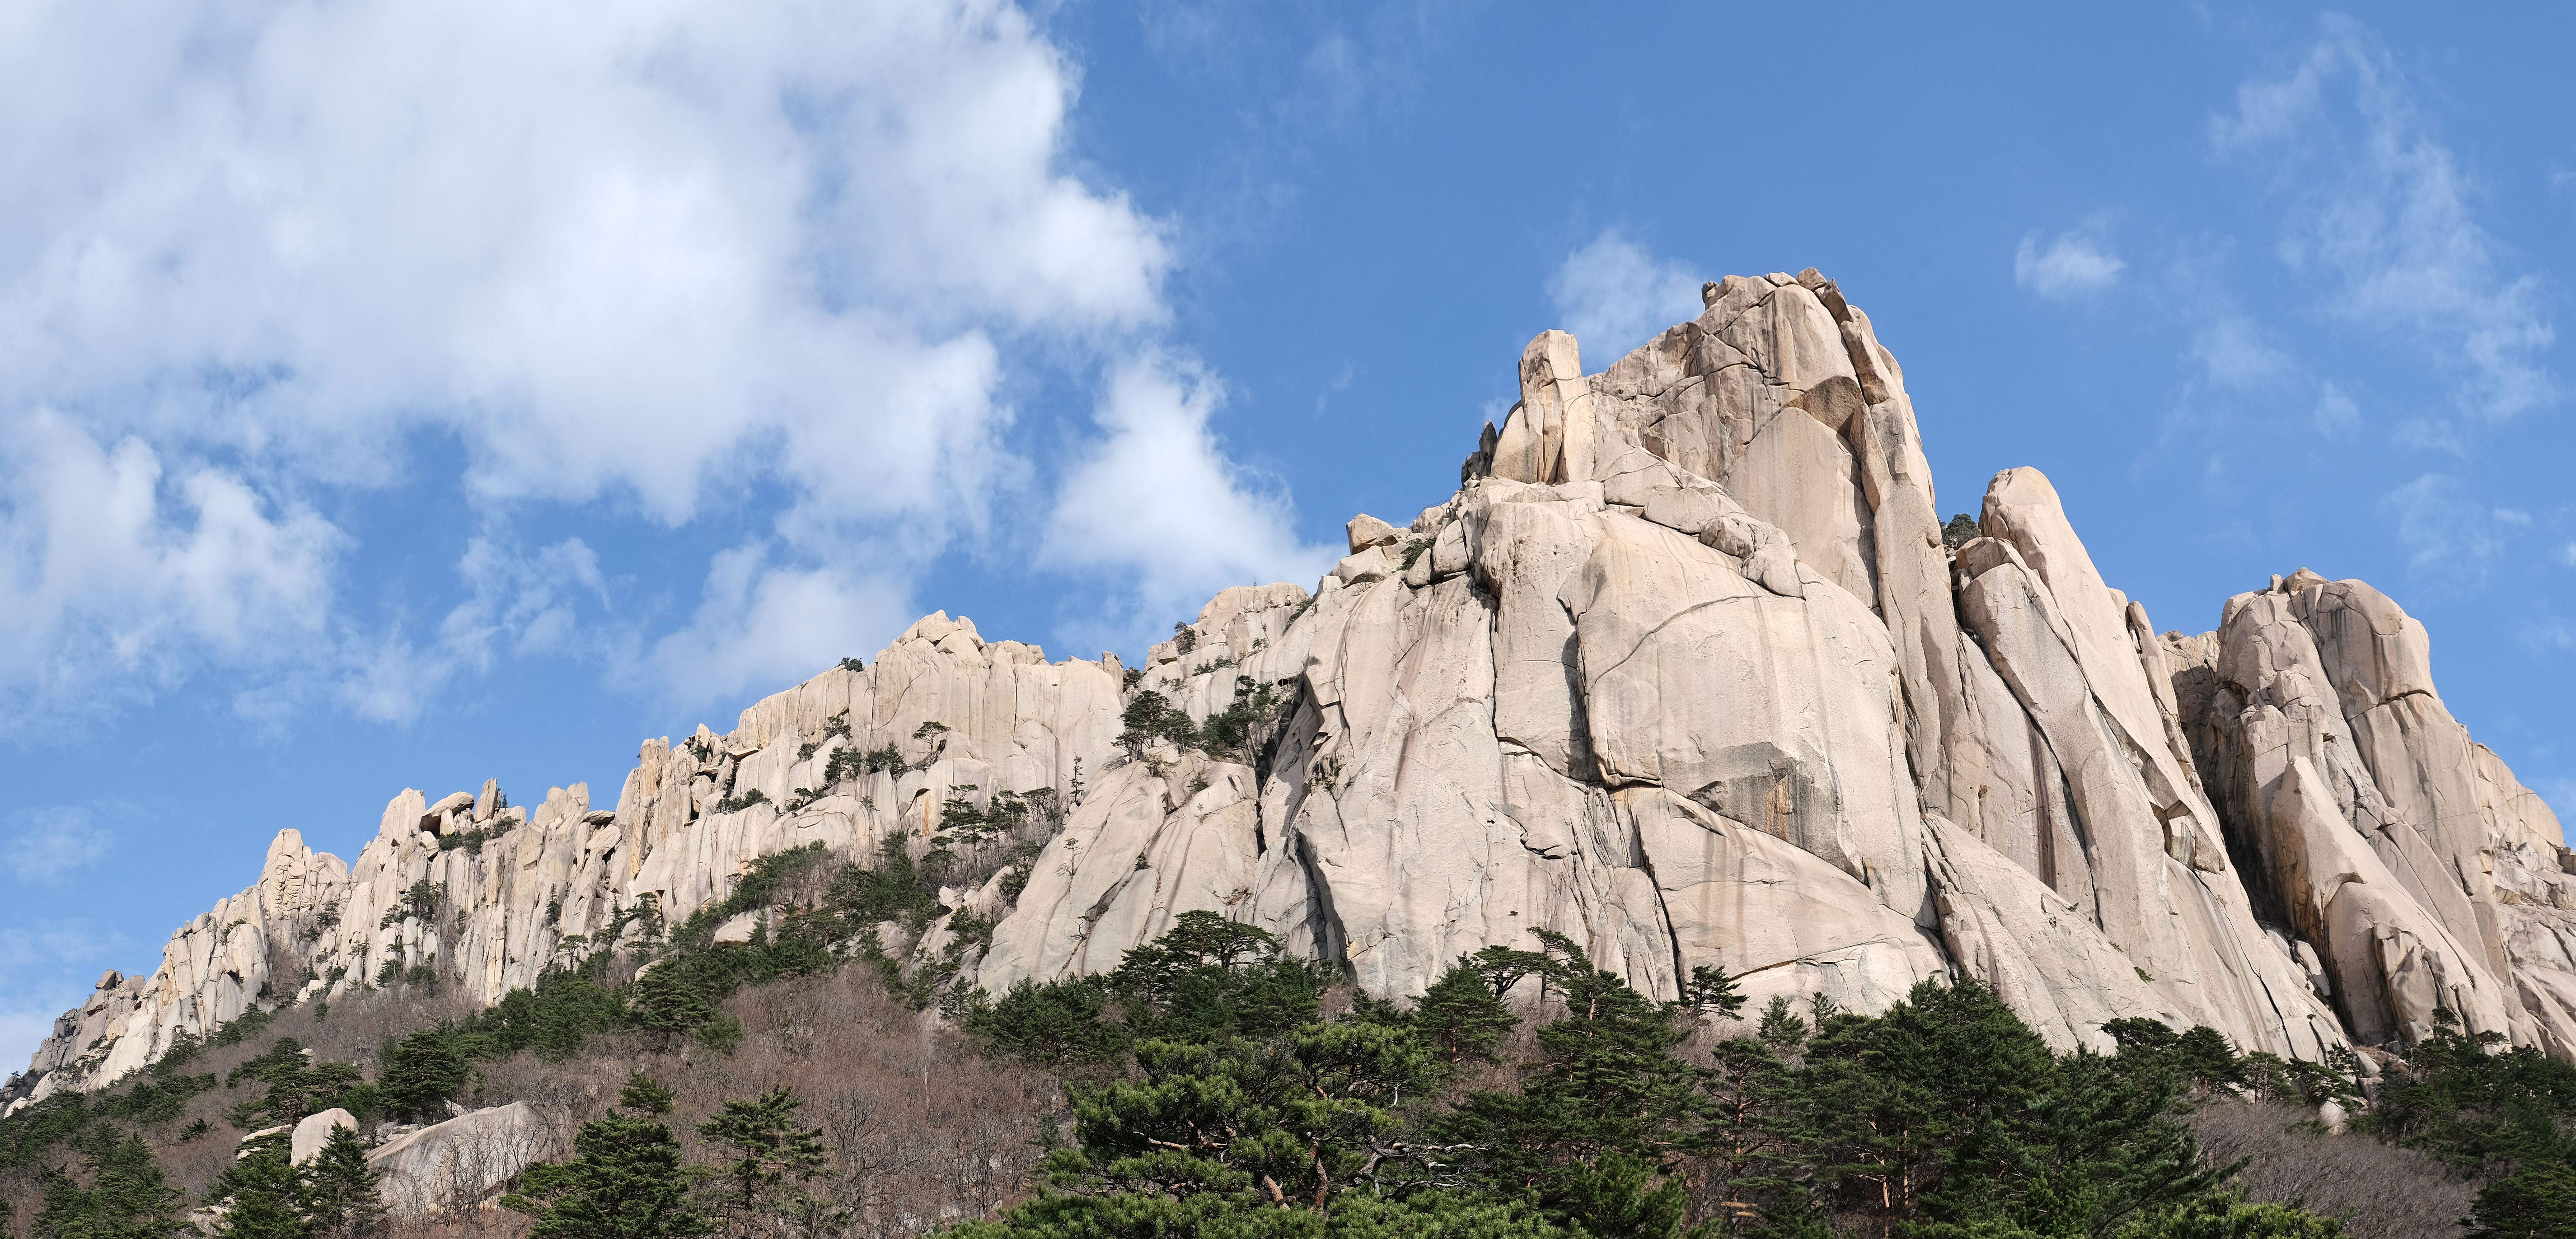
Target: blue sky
[{"x": 399, "y": 395}]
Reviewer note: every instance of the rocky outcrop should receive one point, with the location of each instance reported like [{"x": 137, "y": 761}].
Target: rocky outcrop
[
  {"x": 1685, "y": 670},
  {"x": 458, "y": 1165},
  {"x": 2404, "y": 856}
]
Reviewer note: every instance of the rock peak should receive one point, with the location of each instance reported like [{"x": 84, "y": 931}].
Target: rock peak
[{"x": 1688, "y": 669}]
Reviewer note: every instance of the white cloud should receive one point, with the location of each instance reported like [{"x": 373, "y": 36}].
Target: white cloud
[
  {"x": 651, "y": 254},
  {"x": 2450, "y": 538},
  {"x": 519, "y": 603},
  {"x": 1159, "y": 501},
  {"x": 762, "y": 625},
  {"x": 107, "y": 563},
  {"x": 2236, "y": 352},
  {"x": 2567, "y": 555},
  {"x": 2070, "y": 266},
  {"x": 2336, "y": 413},
  {"x": 52, "y": 842},
  {"x": 2382, "y": 211},
  {"x": 47, "y": 968},
  {"x": 1614, "y": 296}
]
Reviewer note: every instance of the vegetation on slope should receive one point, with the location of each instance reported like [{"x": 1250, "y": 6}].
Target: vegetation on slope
[{"x": 1215, "y": 1085}]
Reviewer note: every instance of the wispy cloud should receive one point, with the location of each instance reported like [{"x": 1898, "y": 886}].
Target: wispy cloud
[
  {"x": 49, "y": 843},
  {"x": 2234, "y": 351},
  {"x": 46, "y": 968},
  {"x": 1160, "y": 502},
  {"x": 2071, "y": 265},
  {"x": 2382, "y": 213},
  {"x": 1612, "y": 296},
  {"x": 2449, "y": 536}
]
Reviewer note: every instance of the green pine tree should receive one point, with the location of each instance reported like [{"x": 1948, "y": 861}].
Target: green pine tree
[
  {"x": 1751, "y": 1098},
  {"x": 126, "y": 1196},
  {"x": 422, "y": 1072},
  {"x": 1604, "y": 1114},
  {"x": 643, "y": 1096},
  {"x": 2225, "y": 1215},
  {"x": 624, "y": 1182},
  {"x": 1052, "y": 1025},
  {"x": 341, "y": 1194},
  {"x": 262, "y": 1196},
  {"x": 1208, "y": 978},
  {"x": 767, "y": 1147},
  {"x": 1947, "y": 1114},
  {"x": 2539, "y": 1202},
  {"x": 1781, "y": 1028},
  {"x": 1461, "y": 1017}
]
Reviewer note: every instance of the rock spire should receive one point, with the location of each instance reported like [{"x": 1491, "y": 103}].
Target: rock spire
[{"x": 1686, "y": 670}]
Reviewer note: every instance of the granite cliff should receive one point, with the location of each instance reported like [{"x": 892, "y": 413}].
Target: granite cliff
[{"x": 1688, "y": 669}]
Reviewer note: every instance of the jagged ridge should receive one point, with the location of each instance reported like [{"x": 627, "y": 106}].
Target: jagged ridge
[{"x": 1685, "y": 670}]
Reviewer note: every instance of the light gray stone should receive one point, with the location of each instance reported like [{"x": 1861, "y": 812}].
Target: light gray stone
[
  {"x": 1689, "y": 677},
  {"x": 452, "y": 1167},
  {"x": 314, "y": 1131}
]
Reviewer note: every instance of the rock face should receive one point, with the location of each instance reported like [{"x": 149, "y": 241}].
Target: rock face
[
  {"x": 457, "y": 1165},
  {"x": 1685, "y": 670},
  {"x": 2423, "y": 874}
]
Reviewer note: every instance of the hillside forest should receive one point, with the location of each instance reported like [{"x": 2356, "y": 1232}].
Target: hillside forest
[{"x": 803, "y": 1085}]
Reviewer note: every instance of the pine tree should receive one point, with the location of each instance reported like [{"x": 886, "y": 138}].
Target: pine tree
[
  {"x": 624, "y": 1182},
  {"x": 126, "y": 1197},
  {"x": 1461, "y": 1017},
  {"x": 2537, "y": 1203},
  {"x": 262, "y": 1195},
  {"x": 1947, "y": 1114},
  {"x": 2224, "y": 1215},
  {"x": 1781, "y": 1029},
  {"x": 423, "y": 1071},
  {"x": 767, "y": 1147},
  {"x": 341, "y": 1196},
  {"x": 1751, "y": 1097},
  {"x": 1710, "y": 989},
  {"x": 1053, "y": 1024},
  {"x": 643, "y": 1096},
  {"x": 1207, "y": 979},
  {"x": 1606, "y": 1111}
]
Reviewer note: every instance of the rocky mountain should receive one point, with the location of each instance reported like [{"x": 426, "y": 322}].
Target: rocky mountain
[{"x": 1688, "y": 669}]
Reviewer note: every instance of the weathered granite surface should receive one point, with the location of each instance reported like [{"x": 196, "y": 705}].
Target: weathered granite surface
[{"x": 1684, "y": 670}]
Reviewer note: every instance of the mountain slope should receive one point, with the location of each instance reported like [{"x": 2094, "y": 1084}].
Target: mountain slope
[{"x": 1688, "y": 670}]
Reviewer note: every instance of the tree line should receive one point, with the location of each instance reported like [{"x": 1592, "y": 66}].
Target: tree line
[{"x": 1220, "y": 1086}]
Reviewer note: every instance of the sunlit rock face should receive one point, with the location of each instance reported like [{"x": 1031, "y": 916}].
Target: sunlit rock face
[{"x": 1686, "y": 670}]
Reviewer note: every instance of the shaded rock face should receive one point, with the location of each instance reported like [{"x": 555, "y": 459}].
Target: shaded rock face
[
  {"x": 2422, "y": 872},
  {"x": 1684, "y": 670}
]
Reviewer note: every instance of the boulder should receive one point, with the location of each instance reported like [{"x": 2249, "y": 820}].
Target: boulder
[
  {"x": 453, "y": 1166},
  {"x": 314, "y": 1131},
  {"x": 1366, "y": 531}
]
